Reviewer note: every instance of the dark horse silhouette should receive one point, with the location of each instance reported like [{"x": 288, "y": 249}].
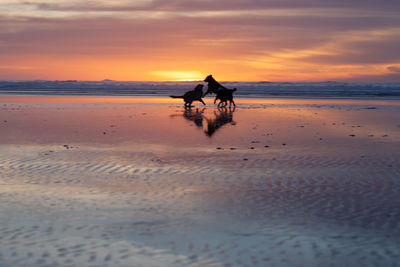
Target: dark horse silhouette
[{"x": 222, "y": 93}]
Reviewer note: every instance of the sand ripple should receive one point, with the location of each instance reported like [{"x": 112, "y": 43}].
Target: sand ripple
[{"x": 233, "y": 208}]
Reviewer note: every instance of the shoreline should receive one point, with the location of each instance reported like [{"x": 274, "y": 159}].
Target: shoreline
[
  {"x": 21, "y": 98},
  {"x": 350, "y": 98}
]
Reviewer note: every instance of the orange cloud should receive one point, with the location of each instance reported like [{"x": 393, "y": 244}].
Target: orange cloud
[{"x": 185, "y": 40}]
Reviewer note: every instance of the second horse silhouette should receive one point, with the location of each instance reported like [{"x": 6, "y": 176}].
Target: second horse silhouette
[{"x": 194, "y": 95}]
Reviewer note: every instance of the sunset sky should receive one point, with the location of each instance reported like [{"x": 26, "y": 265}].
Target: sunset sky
[{"x": 235, "y": 40}]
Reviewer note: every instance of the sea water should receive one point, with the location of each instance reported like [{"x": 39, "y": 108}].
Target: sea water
[{"x": 328, "y": 89}]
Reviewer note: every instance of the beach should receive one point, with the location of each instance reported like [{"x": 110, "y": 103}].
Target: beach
[{"x": 140, "y": 181}]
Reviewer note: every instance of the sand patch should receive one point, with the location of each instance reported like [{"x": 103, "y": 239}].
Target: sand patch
[{"x": 280, "y": 184}]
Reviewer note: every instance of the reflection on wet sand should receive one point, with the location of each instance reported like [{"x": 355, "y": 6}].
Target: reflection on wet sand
[
  {"x": 194, "y": 115},
  {"x": 129, "y": 184},
  {"x": 213, "y": 121},
  {"x": 221, "y": 117}
]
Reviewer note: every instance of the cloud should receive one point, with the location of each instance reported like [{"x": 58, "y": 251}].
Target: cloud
[
  {"x": 350, "y": 50},
  {"x": 384, "y": 77},
  {"x": 93, "y": 5},
  {"x": 206, "y": 5},
  {"x": 394, "y": 68},
  {"x": 257, "y": 33},
  {"x": 265, "y": 36}
]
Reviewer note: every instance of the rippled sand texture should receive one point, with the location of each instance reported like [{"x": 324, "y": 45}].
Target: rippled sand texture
[{"x": 273, "y": 183}]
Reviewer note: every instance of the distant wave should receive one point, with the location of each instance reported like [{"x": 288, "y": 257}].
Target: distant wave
[{"x": 245, "y": 89}]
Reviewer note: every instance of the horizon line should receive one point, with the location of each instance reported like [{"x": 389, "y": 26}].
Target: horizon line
[{"x": 182, "y": 81}]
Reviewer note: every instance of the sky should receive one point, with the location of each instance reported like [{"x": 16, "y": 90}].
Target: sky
[{"x": 235, "y": 40}]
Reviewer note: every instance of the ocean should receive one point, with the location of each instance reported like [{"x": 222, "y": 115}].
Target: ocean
[{"x": 328, "y": 89}]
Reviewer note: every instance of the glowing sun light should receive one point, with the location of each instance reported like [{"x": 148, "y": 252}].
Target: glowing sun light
[{"x": 178, "y": 75}]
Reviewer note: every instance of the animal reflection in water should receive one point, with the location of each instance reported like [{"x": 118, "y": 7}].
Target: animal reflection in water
[{"x": 209, "y": 122}]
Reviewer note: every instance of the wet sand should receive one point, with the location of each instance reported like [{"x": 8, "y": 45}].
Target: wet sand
[{"x": 142, "y": 182}]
